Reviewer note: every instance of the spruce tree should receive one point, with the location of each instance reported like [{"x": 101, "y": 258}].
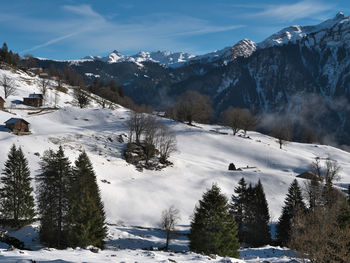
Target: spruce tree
[
  {"x": 17, "y": 202},
  {"x": 213, "y": 227},
  {"x": 86, "y": 215},
  {"x": 292, "y": 204},
  {"x": 258, "y": 230},
  {"x": 53, "y": 200},
  {"x": 238, "y": 207}
]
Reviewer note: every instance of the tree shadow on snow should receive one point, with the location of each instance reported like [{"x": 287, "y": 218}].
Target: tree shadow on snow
[
  {"x": 148, "y": 238},
  {"x": 21, "y": 259}
]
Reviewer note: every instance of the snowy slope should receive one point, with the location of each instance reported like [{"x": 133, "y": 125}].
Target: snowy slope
[
  {"x": 137, "y": 198},
  {"x": 133, "y": 198}
]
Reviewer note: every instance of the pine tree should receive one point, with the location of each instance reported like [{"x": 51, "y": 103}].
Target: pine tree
[
  {"x": 258, "y": 230},
  {"x": 292, "y": 204},
  {"x": 3, "y": 52},
  {"x": 86, "y": 215},
  {"x": 53, "y": 200},
  {"x": 213, "y": 227},
  {"x": 17, "y": 202},
  {"x": 238, "y": 207}
]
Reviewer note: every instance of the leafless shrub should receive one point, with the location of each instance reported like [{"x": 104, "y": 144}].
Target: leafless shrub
[{"x": 320, "y": 236}]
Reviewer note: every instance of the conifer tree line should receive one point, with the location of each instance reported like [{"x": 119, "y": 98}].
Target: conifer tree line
[
  {"x": 250, "y": 208},
  {"x": 70, "y": 209},
  {"x": 218, "y": 226},
  {"x": 8, "y": 56}
]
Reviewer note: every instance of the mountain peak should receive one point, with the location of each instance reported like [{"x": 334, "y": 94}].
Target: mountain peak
[{"x": 340, "y": 15}]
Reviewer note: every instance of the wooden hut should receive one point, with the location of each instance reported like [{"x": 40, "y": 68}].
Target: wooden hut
[
  {"x": 2, "y": 103},
  {"x": 17, "y": 125},
  {"x": 34, "y": 100},
  {"x": 309, "y": 175}
]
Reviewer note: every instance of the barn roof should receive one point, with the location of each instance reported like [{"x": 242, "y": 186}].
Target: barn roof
[
  {"x": 2, "y": 99},
  {"x": 15, "y": 120},
  {"x": 36, "y": 96}
]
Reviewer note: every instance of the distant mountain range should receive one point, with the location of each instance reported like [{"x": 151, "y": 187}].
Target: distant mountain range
[{"x": 301, "y": 73}]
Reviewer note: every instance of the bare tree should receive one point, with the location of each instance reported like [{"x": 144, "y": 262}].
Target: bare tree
[
  {"x": 248, "y": 120},
  {"x": 81, "y": 97},
  {"x": 169, "y": 219},
  {"x": 136, "y": 125},
  {"x": 323, "y": 194},
  {"x": 166, "y": 143},
  {"x": 193, "y": 106},
  {"x": 308, "y": 135},
  {"x": 8, "y": 86},
  {"x": 56, "y": 97},
  {"x": 282, "y": 133},
  {"x": 150, "y": 136},
  {"x": 44, "y": 85},
  {"x": 313, "y": 192},
  {"x": 232, "y": 118}
]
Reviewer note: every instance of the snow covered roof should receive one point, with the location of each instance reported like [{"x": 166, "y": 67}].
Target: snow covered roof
[
  {"x": 1, "y": 99},
  {"x": 37, "y": 96},
  {"x": 15, "y": 120}
]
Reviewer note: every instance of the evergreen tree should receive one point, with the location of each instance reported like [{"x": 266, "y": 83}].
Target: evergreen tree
[
  {"x": 238, "y": 207},
  {"x": 213, "y": 227},
  {"x": 86, "y": 215},
  {"x": 293, "y": 203},
  {"x": 53, "y": 200},
  {"x": 3, "y": 52},
  {"x": 258, "y": 230},
  {"x": 17, "y": 202}
]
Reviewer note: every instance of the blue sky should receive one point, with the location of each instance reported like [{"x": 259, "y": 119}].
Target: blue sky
[{"x": 70, "y": 29}]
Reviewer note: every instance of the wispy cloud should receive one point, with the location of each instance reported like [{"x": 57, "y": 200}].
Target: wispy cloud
[
  {"x": 84, "y": 28},
  {"x": 291, "y": 12},
  {"x": 50, "y": 42}
]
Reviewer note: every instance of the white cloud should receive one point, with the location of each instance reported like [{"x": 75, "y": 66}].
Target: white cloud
[{"x": 291, "y": 12}]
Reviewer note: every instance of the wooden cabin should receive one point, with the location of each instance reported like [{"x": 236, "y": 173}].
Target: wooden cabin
[
  {"x": 17, "y": 125},
  {"x": 309, "y": 175},
  {"x": 2, "y": 103},
  {"x": 34, "y": 100}
]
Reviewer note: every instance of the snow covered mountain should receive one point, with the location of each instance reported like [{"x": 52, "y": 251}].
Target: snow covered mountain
[
  {"x": 243, "y": 48},
  {"x": 293, "y": 34},
  {"x": 162, "y": 57}
]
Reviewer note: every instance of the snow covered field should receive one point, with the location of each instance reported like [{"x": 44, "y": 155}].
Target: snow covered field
[
  {"x": 134, "y": 198},
  {"x": 126, "y": 244}
]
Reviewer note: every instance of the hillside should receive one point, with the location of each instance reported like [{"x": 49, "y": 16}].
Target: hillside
[
  {"x": 202, "y": 158},
  {"x": 134, "y": 198}
]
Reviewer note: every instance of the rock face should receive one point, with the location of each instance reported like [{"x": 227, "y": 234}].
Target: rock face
[{"x": 300, "y": 72}]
